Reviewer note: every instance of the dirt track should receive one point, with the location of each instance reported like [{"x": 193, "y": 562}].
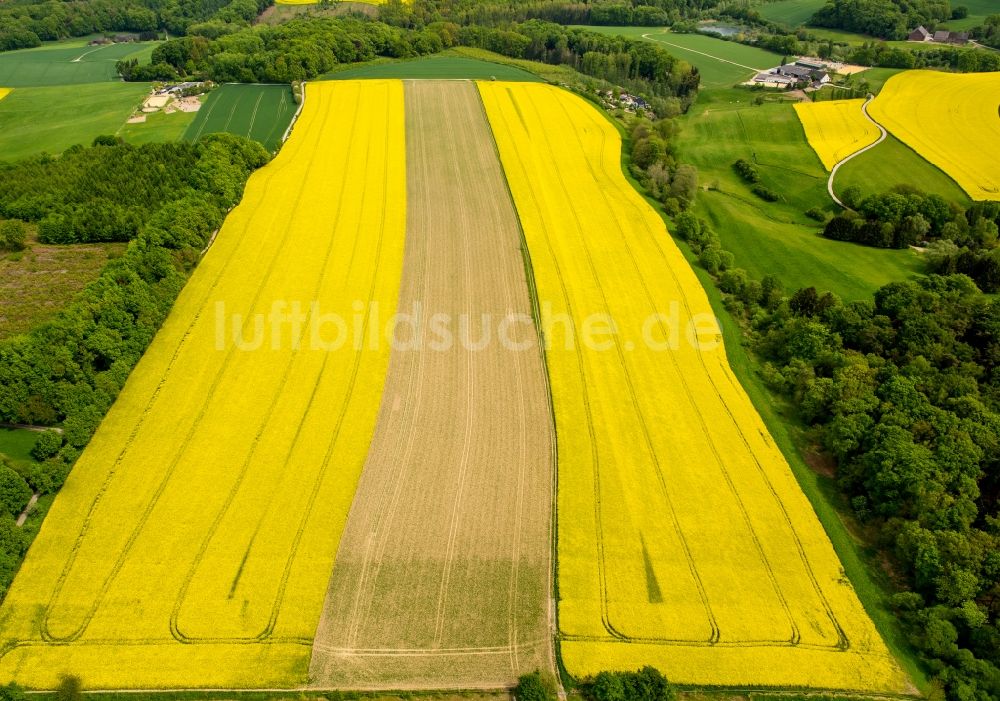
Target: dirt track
[{"x": 442, "y": 577}]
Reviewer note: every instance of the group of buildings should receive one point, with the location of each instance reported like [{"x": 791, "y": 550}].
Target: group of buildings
[
  {"x": 941, "y": 36},
  {"x": 805, "y": 72}
]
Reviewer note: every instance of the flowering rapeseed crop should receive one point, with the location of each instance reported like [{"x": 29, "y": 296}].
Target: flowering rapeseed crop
[
  {"x": 193, "y": 542},
  {"x": 836, "y": 128},
  {"x": 951, "y": 120},
  {"x": 684, "y": 540}
]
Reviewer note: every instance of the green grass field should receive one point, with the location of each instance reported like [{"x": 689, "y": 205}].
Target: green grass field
[
  {"x": 158, "y": 126},
  {"x": 259, "y": 112},
  {"x": 69, "y": 63},
  {"x": 52, "y": 119},
  {"x": 893, "y": 163},
  {"x": 722, "y": 63},
  {"x": 790, "y": 12},
  {"x": 438, "y": 67},
  {"x": 16, "y": 444},
  {"x": 776, "y": 238}
]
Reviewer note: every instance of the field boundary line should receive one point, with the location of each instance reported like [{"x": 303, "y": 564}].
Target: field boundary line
[{"x": 836, "y": 166}]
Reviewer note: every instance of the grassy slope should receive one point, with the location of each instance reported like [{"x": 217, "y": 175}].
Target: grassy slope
[
  {"x": 448, "y": 66},
  {"x": 709, "y": 54},
  {"x": 893, "y": 163},
  {"x": 776, "y": 238},
  {"x": 790, "y": 12},
  {"x": 866, "y": 575},
  {"x": 53, "y": 64},
  {"x": 52, "y": 119},
  {"x": 260, "y": 112}
]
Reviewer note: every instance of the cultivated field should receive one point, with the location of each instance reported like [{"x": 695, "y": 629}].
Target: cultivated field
[
  {"x": 440, "y": 67},
  {"x": 836, "y": 129},
  {"x": 949, "y": 119},
  {"x": 4, "y": 92},
  {"x": 193, "y": 542},
  {"x": 258, "y": 112},
  {"x": 52, "y": 119},
  {"x": 684, "y": 540},
  {"x": 442, "y": 577},
  {"x": 790, "y": 12},
  {"x": 67, "y": 63}
]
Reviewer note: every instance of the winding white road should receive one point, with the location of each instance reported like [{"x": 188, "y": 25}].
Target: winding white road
[{"x": 836, "y": 167}]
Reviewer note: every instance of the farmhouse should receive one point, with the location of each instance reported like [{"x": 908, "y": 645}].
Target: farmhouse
[
  {"x": 941, "y": 36},
  {"x": 802, "y": 71}
]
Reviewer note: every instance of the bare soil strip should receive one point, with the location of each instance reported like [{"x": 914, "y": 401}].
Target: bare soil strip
[{"x": 442, "y": 579}]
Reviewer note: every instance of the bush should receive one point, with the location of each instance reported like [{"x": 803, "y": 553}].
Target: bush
[
  {"x": 12, "y": 235},
  {"x": 747, "y": 170},
  {"x": 816, "y": 213},
  {"x": 47, "y": 445},
  {"x": 647, "y": 684},
  {"x": 766, "y": 193},
  {"x": 14, "y": 491},
  {"x": 532, "y": 687},
  {"x": 70, "y": 688}
]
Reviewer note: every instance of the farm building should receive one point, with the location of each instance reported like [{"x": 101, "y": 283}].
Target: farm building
[
  {"x": 941, "y": 36},
  {"x": 802, "y": 71}
]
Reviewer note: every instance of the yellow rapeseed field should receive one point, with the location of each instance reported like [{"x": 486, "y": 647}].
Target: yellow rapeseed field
[
  {"x": 4, "y": 92},
  {"x": 194, "y": 540},
  {"x": 684, "y": 540},
  {"x": 951, "y": 119},
  {"x": 836, "y": 128}
]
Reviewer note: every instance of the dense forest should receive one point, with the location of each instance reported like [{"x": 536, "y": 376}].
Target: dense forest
[
  {"x": 26, "y": 24},
  {"x": 886, "y": 19},
  {"x": 99, "y": 194}
]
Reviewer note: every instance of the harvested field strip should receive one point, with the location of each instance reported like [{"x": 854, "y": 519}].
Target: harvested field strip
[
  {"x": 952, "y": 120},
  {"x": 442, "y": 576},
  {"x": 193, "y": 541},
  {"x": 684, "y": 540},
  {"x": 835, "y": 129}
]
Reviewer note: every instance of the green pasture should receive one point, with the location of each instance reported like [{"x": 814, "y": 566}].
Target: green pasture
[
  {"x": 258, "y": 112},
  {"x": 52, "y": 119},
  {"x": 158, "y": 127},
  {"x": 776, "y": 238},
  {"x": 893, "y": 163}
]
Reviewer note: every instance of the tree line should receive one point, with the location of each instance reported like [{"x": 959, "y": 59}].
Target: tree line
[{"x": 307, "y": 48}]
